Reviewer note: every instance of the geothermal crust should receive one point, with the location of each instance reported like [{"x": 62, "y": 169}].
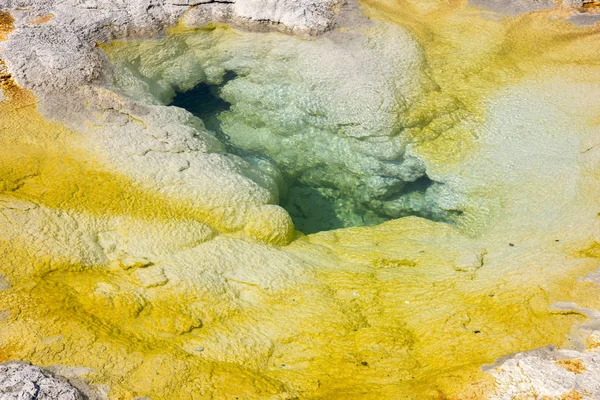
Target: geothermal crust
[
  {"x": 343, "y": 110},
  {"x": 147, "y": 253},
  {"x": 59, "y": 56},
  {"x": 59, "y": 53},
  {"x": 23, "y": 381}
]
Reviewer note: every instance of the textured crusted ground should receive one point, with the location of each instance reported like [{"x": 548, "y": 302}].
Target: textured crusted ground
[
  {"x": 140, "y": 256},
  {"x": 23, "y": 381}
]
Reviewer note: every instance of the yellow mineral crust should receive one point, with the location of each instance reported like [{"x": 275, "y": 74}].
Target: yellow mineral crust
[
  {"x": 45, "y": 162},
  {"x": 410, "y": 309},
  {"x": 73, "y": 305},
  {"x": 472, "y": 54}
]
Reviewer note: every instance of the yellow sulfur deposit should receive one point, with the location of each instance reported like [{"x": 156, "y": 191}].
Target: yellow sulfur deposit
[{"x": 146, "y": 294}]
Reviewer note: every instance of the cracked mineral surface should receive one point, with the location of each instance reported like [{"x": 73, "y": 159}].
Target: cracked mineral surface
[{"x": 315, "y": 199}]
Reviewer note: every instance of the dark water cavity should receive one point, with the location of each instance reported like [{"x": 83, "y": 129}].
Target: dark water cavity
[
  {"x": 312, "y": 208},
  {"x": 204, "y": 101}
]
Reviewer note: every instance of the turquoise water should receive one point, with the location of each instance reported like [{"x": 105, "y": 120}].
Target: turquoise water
[
  {"x": 313, "y": 208},
  {"x": 327, "y": 140}
]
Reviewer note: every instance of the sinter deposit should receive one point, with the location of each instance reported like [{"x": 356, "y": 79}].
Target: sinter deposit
[{"x": 282, "y": 199}]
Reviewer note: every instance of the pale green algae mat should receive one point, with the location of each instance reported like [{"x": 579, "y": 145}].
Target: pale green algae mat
[{"x": 149, "y": 294}]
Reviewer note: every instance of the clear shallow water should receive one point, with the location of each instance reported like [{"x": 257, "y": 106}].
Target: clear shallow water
[
  {"x": 313, "y": 208},
  {"x": 334, "y": 142}
]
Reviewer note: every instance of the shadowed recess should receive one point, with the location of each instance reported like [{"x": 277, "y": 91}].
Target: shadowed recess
[{"x": 204, "y": 101}]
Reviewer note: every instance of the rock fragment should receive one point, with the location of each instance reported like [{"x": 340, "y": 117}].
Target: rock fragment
[{"x": 22, "y": 381}]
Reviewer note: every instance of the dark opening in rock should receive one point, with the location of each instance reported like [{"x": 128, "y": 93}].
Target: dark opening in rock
[
  {"x": 420, "y": 185},
  {"x": 205, "y": 102}
]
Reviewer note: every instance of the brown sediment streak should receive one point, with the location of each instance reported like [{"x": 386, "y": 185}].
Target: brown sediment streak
[
  {"x": 7, "y": 84},
  {"x": 592, "y": 5},
  {"x": 42, "y": 20},
  {"x": 19, "y": 97},
  {"x": 6, "y": 24},
  {"x": 574, "y": 365}
]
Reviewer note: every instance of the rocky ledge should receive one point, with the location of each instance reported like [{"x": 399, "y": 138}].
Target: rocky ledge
[
  {"x": 22, "y": 381},
  {"x": 54, "y": 44}
]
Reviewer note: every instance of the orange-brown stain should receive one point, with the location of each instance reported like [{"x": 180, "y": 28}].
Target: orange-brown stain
[
  {"x": 572, "y": 395},
  {"x": 42, "y": 20},
  {"x": 574, "y": 365},
  {"x": 21, "y": 98},
  {"x": 592, "y": 5},
  {"x": 6, "y": 24}
]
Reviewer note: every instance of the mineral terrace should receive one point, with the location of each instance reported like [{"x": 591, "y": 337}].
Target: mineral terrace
[{"x": 299, "y": 199}]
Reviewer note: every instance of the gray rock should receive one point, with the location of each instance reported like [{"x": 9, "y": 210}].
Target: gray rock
[
  {"x": 574, "y": 3},
  {"x": 20, "y": 381},
  {"x": 584, "y": 19},
  {"x": 547, "y": 373},
  {"x": 513, "y": 7},
  {"x": 310, "y": 17},
  {"x": 61, "y": 54}
]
